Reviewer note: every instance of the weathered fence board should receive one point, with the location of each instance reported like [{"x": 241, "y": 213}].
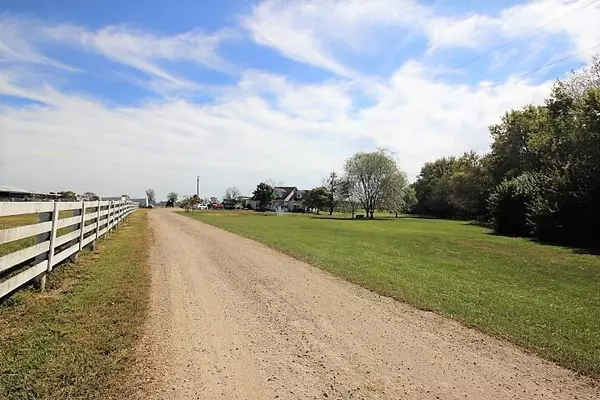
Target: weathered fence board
[
  {"x": 19, "y": 208},
  {"x": 104, "y": 216},
  {"x": 17, "y": 281},
  {"x": 60, "y": 240},
  {"x": 64, "y": 222},
  {"x": 22, "y": 232},
  {"x": 12, "y": 259}
]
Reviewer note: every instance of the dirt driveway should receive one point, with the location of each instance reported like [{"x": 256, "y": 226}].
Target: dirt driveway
[{"x": 233, "y": 319}]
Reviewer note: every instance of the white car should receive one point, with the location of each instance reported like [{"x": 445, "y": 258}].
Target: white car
[{"x": 202, "y": 207}]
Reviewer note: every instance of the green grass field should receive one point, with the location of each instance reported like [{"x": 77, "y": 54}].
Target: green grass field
[
  {"x": 77, "y": 339},
  {"x": 542, "y": 297}
]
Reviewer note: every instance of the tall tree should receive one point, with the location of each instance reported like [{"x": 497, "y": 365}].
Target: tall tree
[
  {"x": 151, "y": 196},
  {"x": 316, "y": 199},
  {"x": 331, "y": 184},
  {"x": 68, "y": 195},
  {"x": 345, "y": 198},
  {"x": 263, "y": 194},
  {"x": 91, "y": 196},
  {"x": 433, "y": 188},
  {"x": 172, "y": 197},
  {"x": 232, "y": 193},
  {"x": 370, "y": 175},
  {"x": 409, "y": 199},
  {"x": 393, "y": 200}
]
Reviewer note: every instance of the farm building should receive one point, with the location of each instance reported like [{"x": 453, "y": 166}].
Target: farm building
[{"x": 11, "y": 193}]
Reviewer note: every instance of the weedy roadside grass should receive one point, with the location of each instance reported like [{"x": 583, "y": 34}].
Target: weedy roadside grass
[
  {"x": 77, "y": 340},
  {"x": 545, "y": 298}
]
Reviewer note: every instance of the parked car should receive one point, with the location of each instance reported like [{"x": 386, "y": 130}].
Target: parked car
[{"x": 202, "y": 207}]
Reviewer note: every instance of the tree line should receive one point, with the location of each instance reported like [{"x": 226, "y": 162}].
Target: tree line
[
  {"x": 371, "y": 181},
  {"x": 541, "y": 177}
]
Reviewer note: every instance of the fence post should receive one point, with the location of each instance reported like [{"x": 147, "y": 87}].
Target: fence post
[
  {"x": 119, "y": 211},
  {"x": 75, "y": 213},
  {"x": 97, "y": 225},
  {"x": 52, "y": 236},
  {"x": 108, "y": 219},
  {"x": 40, "y": 281},
  {"x": 82, "y": 225}
]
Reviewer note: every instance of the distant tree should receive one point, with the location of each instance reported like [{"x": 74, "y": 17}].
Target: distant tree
[
  {"x": 316, "y": 198},
  {"x": 68, "y": 195},
  {"x": 345, "y": 197},
  {"x": 172, "y": 197},
  {"x": 91, "y": 196},
  {"x": 263, "y": 194},
  {"x": 369, "y": 176},
  {"x": 393, "y": 199},
  {"x": 409, "y": 199},
  {"x": 331, "y": 183},
  {"x": 151, "y": 195},
  {"x": 189, "y": 202},
  {"x": 455, "y": 187},
  {"x": 232, "y": 193}
]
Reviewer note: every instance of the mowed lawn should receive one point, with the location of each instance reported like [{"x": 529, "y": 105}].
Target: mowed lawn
[{"x": 542, "y": 297}]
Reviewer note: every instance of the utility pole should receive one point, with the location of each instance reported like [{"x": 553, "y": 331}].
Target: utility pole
[{"x": 198, "y": 186}]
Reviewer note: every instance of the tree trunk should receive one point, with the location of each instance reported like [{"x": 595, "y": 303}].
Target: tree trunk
[{"x": 396, "y": 215}]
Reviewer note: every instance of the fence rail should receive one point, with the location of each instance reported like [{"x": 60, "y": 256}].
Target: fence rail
[{"x": 90, "y": 220}]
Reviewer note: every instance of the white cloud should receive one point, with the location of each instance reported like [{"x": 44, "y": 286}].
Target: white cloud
[
  {"x": 144, "y": 51},
  {"x": 422, "y": 119},
  {"x": 264, "y": 127},
  {"x": 577, "y": 20},
  {"x": 319, "y": 32},
  {"x": 21, "y": 41},
  {"x": 85, "y": 145},
  {"x": 16, "y": 48},
  {"x": 307, "y": 31}
]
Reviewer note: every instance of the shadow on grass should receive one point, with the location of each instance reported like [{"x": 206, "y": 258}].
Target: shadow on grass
[
  {"x": 327, "y": 217},
  {"x": 574, "y": 248}
]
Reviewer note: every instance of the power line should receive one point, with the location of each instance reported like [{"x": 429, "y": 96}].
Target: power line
[
  {"x": 551, "y": 63},
  {"x": 503, "y": 45}
]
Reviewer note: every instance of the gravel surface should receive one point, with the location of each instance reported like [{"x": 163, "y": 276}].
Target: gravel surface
[{"x": 233, "y": 319}]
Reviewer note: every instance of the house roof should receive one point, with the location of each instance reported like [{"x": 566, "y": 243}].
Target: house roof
[
  {"x": 16, "y": 190},
  {"x": 283, "y": 192},
  {"x": 13, "y": 189}
]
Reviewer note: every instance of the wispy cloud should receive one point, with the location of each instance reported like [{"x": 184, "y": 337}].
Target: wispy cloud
[
  {"x": 18, "y": 44},
  {"x": 310, "y": 31},
  {"x": 23, "y": 41},
  {"x": 542, "y": 21}
]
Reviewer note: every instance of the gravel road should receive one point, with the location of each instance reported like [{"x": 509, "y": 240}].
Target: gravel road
[{"x": 233, "y": 319}]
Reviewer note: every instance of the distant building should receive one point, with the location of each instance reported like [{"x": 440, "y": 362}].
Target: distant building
[
  {"x": 285, "y": 198},
  {"x": 11, "y": 193},
  {"x": 143, "y": 202}
]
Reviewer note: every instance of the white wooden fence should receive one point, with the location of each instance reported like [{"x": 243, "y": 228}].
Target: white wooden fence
[{"x": 90, "y": 221}]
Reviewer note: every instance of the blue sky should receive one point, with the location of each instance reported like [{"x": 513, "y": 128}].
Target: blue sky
[{"x": 115, "y": 97}]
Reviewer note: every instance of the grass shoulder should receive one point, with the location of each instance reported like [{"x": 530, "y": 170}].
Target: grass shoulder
[{"x": 77, "y": 339}]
